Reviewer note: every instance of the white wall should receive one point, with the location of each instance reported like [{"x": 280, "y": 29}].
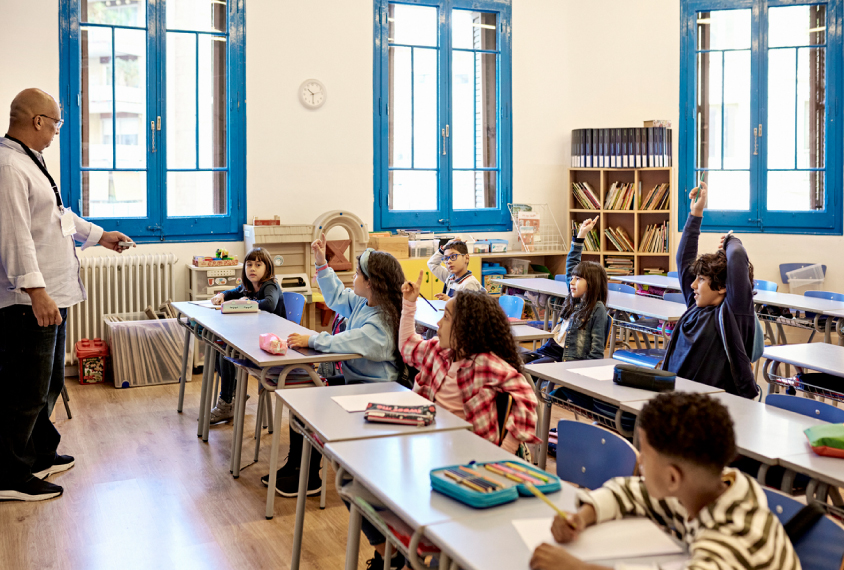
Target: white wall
[{"x": 601, "y": 63}]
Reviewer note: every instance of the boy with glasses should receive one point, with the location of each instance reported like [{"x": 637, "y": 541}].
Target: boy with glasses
[{"x": 457, "y": 277}]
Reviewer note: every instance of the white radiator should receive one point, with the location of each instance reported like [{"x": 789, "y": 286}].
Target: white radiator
[{"x": 118, "y": 284}]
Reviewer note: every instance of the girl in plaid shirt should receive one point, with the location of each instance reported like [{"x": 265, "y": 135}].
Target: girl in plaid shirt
[{"x": 472, "y": 359}]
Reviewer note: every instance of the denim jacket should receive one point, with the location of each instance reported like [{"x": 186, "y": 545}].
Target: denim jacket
[{"x": 585, "y": 343}]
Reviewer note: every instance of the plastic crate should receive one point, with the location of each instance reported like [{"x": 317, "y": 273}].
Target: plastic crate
[
  {"x": 809, "y": 278},
  {"x": 92, "y": 355}
]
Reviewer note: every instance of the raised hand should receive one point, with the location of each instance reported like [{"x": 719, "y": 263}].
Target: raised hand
[
  {"x": 724, "y": 239},
  {"x": 410, "y": 291},
  {"x": 587, "y": 227},
  {"x": 698, "y": 197},
  {"x": 318, "y": 247}
]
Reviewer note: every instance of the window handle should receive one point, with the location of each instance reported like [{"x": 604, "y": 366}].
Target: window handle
[
  {"x": 443, "y": 135},
  {"x": 152, "y": 129},
  {"x": 757, "y": 132}
]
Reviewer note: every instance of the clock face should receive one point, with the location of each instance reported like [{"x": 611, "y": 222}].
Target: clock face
[{"x": 312, "y": 93}]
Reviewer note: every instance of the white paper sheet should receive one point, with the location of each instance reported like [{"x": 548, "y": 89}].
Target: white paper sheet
[
  {"x": 613, "y": 540},
  {"x": 358, "y": 402},
  {"x": 207, "y": 304},
  {"x": 596, "y": 372}
]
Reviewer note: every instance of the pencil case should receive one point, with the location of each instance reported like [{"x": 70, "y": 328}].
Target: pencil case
[
  {"x": 644, "y": 378},
  {"x": 407, "y": 415},
  {"x": 509, "y": 490}
]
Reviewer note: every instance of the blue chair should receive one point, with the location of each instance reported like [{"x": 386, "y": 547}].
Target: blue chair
[
  {"x": 762, "y": 285},
  {"x": 294, "y": 306},
  {"x": 822, "y": 547},
  {"x": 561, "y": 277},
  {"x": 590, "y": 456},
  {"x": 828, "y": 295},
  {"x": 513, "y": 306},
  {"x": 673, "y": 274},
  {"x": 786, "y": 267},
  {"x": 674, "y": 298},
  {"x": 806, "y": 407},
  {"x": 622, "y": 288},
  {"x": 648, "y": 357}
]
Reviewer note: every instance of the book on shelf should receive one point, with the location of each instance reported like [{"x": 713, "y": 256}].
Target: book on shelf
[
  {"x": 653, "y": 271},
  {"x": 618, "y": 265},
  {"x": 633, "y": 147},
  {"x": 657, "y": 198},
  {"x": 591, "y": 242},
  {"x": 585, "y": 196},
  {"x": 620, "y": 239},
  {"x": 655, "y": 239},
  {"x": 620, "y": 196}
]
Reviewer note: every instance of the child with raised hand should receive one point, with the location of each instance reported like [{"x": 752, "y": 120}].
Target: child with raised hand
[
  {"x": 581, "y": 332},
  {"x": 372, "y": 310},
  {"x": 257, "y": 283},
  {"x": 457, "y": 276},
  {"x": 686, "y": 441},
  {"x": 712, "y": 341}
]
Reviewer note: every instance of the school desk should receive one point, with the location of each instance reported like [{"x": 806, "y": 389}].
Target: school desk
[
  {"x": 553, "y": 289},
  {"x": 564, "y": 374},
  {"x": 321, "y": 420},
  {"x": 395, "y": 471},
  {"x": 662, "y": 281},
  {"x": 825, "y": 307},
  {"x": 818, "y": 356},
  {"x": 826, "y": 473}
]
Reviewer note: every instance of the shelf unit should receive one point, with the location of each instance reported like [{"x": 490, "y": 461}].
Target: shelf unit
[{"x": 633, "y": 221}]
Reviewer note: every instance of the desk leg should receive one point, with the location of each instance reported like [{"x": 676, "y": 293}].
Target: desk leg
[
  {"x": 353, "y": 539},
  {"x": 184, "y": 377},
  {"x": 238, "y": 391},
  {"x": 242, "y": 385},
  {"x": 301, "y": 499},
  {"x": 388, "y": 554},
  {"x": 209, "y": 393},
  {"x": 203, "y": 391},
  {"x": 546, "y": 429},
  {"x": 273, "y": 466},
  {"x": 613, "y": 332}
]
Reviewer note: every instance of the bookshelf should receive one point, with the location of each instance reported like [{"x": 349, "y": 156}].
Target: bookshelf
[{"x": 634, "y": 222}]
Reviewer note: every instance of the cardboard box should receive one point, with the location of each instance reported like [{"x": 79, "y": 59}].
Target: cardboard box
[{"x": 395, "y": 245}]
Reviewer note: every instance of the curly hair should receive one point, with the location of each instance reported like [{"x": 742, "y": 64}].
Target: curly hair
[
  {"x": 386, "y": 278},
  {"x": 481, "y": 326},
  {"x": 714, "y": 266},
  {"x": 691, "y": 427},
  {"x": 579, "y": 310}
]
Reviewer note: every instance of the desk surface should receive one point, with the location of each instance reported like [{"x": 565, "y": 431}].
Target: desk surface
[
  {"x": 428, "y": 317},
  {"x": 538, "y": 285},
  {"x": 561, "y": 373},
  {"x": 650, "y": 280},
  {"x": 818, "y": 356},
  {"x": 242, "y": 330},
  {"x": 799, "y": 302},
  {"x": 330, "y": 422},
  {"x": 396, "y": 470},
  {"x": 828, "y": 470}
]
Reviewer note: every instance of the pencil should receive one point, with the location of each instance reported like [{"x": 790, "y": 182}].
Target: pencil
[
  {"x": 503, "y": 474},
  {"x": 527, "y": 471},
  {"x": 479, "y": 475},
  {"x": 548, "y": 502},
  {"x": 465, "y": 482},
  {"x": 526, "y": 478},
  {"x": 427, "y": 301}
]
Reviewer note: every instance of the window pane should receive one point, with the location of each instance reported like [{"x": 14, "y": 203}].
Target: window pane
[
  {"x": 196, "y": 193},
  {"x": 412, "y": 25},
  {"x": 795, "y": 190},
  {"x": 426, "y": 137},
  {"x": 128, "y": 13},
  {"x": 723, "y": 29},
  {"x": 130, "y": 88},
  {"x": 463, "y": 109},
  {"x": 212, "y": 101},
  {"x": 796, "y": 26},
  {"x": 114, "y": 194},
  {"x": 181, "y": 100},
  {"x": 199, "y": 15},
  {"x": 474, "y": 189},
  {"x": 811, "y": 105},
  {"x": 736, "y": 139},
  {"x": 728, "y": 190},
  {"x": 474, "y": 30},
  {"x": 413, "y": 190},
  {"x": 401, "y": 108},
  {"x": 781, "y": 107},
  {"x": 97, "y": 101},
  {"x": 709, "y": 109}
]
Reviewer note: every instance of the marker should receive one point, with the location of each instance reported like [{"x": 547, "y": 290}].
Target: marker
[{"x": 527, "y": 471}]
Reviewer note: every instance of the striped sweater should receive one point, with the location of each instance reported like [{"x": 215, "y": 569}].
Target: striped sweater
[{"x": 734, "y": 532}]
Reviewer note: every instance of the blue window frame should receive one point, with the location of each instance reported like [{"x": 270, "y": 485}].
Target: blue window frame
[
  {"x": 154, "y": 103},
  {"x": 760, "y": 114},
  {"x": 442, "y": 114}
]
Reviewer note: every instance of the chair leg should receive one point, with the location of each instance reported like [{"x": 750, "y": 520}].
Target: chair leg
[
  {"x": 324, "y": 474},
  {"x": 269, "y": 422},
  {"x": 66, "y": 399},
  {"x": 258, "y": 424},
  {"x": 216, "y": 391}
]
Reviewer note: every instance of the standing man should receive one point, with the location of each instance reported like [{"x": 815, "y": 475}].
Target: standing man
[{"x": 39, "y": 280}]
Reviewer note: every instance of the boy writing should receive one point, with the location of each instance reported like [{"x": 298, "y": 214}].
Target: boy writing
[
  {"x": 712, "y": 341},
  {"x": 457, "y": 277},
  {"x": 686, "y": 440}
]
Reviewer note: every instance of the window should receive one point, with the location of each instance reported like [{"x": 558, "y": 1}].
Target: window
[
  {"x": 757, "y": 80},
  {"x": 442, "y": 115},
  {"x": 154, "y": 104}
]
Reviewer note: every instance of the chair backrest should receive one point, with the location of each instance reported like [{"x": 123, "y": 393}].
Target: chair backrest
[
  {"x": 828, "y": 295},
  {"x": 674, "y": 298},
  {"x": 786, "y": 267},
  {"x": 560, "y": 277},
  {"x": 513, "y": 306},
  {"x": 294, "y": 306},
  {"x": 608, "y": 333},
  {"x": 822, "y": 547},
  {"x": 590, "y": 456},
  {"x": 806, "y": 407},
  {"x": 762, "y": 285},
  {"x": 673, "y": 274},
  {"x": 622, "y": 288},
  {"x": 503, "y": 406}
]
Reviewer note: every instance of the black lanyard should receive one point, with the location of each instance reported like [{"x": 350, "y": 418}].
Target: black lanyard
[{"x": 42, "y": 167}]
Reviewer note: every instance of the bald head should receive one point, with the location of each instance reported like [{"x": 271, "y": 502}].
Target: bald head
[{"x": 32, "y": 118}]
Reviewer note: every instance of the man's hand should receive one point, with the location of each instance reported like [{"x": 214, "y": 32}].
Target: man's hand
[
  {"x": 318, "y": 247},
  {"x": 441, "y": 297},
  {"x": 45, "y": 309},
  {"x": 548, "y": 557},
  {"x": 410, "y": 291},
  {"x": 698, "y": 198},
  {"x": 298, "y": 340},
  {"x": 586, "y": 227},
  {"x": 111, "y": 240}
]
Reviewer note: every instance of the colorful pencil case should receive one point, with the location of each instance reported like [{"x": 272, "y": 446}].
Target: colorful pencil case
[
  {"x": 483, "y": 485},
  {"x": 407, "y": 415}
]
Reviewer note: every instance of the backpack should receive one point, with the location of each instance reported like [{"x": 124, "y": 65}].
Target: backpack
[{"x": 758, "y": 336}]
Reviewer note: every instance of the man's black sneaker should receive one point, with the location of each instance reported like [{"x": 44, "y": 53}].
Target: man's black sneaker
[
  {"x": 397, "y": 562},
  {"x": 289, "y": 486},
  {"x": 287, "y": 470},
  {"x": 32, "y": 490},
  {"x": 61, "y": 463}
]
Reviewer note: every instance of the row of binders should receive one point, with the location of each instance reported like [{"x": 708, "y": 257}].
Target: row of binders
[
  {"x": 633, "y": 147},
  {"x": 655, "y": 239}
]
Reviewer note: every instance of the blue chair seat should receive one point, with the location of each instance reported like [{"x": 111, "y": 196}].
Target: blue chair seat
[{"x": 649, "y": 358}]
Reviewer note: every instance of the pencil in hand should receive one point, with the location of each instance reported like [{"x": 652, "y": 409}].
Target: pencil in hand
[
  {"x": 427, "y": 301},
  {"x": 530, "y": 487}
]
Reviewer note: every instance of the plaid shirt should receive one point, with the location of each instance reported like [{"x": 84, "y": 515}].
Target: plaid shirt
[{"x": 480, "y": 378}]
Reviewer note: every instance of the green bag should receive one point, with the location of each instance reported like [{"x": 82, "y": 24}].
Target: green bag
[{"x": 827, "y": 439}]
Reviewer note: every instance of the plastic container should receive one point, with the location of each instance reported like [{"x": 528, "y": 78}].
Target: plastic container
[
  {"x": 93, "y": 360},
  {"x": 519, "y": 266},
  {"x": 809, "y": 278},
  {"x": 495, "y": 245},
  {"x": 422, "y": 248},
  {"x": 491, "y": 272}
]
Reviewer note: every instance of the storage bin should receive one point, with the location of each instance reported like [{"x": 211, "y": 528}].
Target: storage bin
[
  {"x": 518, "y": 266},
  {"x": 809, "y": 278},
  {"x": 92, "y": 355},
  {"x": 495, "y": 245}
]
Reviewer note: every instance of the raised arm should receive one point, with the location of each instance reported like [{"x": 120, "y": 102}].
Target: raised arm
[
  {"x": 739, "y": 288},
  {"x": 413, "y": 349},
  {"x": 436, "y": 267},
  {"x": 576, "y": 250},
  {"x": 688, "y": 247}
]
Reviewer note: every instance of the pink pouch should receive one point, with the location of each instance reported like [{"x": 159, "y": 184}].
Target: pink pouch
[{"x": 272, "y": 344}]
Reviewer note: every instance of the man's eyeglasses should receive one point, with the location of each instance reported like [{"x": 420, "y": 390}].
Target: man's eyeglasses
[
  {"x": 59, "y": 122},
  {"x": 452, "y": 257}
]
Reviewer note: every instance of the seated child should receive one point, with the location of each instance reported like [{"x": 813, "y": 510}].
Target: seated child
[
  {"x": 372, "y": 311},
  {"x": 258, "y": 283},
  {"x": 721, "y": 514},
  {"x": 581, "y": 333},
  {"x": 457, "y": 277},
  {"x": 712, "y": 341}
]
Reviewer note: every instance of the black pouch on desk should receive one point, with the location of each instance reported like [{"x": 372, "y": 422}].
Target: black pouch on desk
[{"x": 644, "y": 378}]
